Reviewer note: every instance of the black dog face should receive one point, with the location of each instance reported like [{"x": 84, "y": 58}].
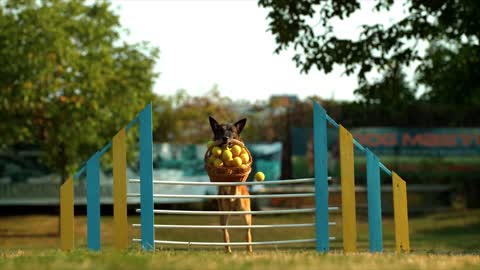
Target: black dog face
[{"x": 226, "y": 132}]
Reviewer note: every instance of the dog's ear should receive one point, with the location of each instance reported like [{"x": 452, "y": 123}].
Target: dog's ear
[
  {"x": 213, "y": 124},
  {"x": 240, "y": 124}
]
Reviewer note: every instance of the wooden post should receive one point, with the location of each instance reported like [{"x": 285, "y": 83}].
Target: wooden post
[
  {"x": 374, "y": 203},
  {"x": 347, "y": 174},
  {"x": 120, "y": 190},
  {"x": 402, "y": 241},
  {"x": 93, "y": 203},
  {"x": 321, "y": 177},
  {"x": 146, "y": 179},
  {"x": 67, "y": 215}
]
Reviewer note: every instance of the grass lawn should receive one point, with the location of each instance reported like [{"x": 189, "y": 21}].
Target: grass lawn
[{"x": 449, "y": 240}]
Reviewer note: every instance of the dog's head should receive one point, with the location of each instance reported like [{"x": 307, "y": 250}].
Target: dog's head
[{"x": 226, "y": 132}]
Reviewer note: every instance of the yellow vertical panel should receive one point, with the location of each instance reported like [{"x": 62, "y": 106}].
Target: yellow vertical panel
[
  {"x": 120, "y": 190},
  {"x": 402, "y": 241},
  {"x": 348, "y": 191},
  {"x": 66, "y": 215}
]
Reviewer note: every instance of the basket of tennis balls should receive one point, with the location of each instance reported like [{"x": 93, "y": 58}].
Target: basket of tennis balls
[{"x": 228, "y": 164}]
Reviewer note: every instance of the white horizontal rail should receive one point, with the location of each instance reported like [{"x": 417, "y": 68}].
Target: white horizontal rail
[
  {"x": 194, "y": 183},
  {"x": 263, "y": 212},
  {"x": 175, "y": 226},
  {"x": 290, "y": 195},
  {"x": 310, "y": 240}
]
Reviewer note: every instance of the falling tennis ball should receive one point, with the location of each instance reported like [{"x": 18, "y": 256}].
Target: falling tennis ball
[
  {"x": 245, "y": 158},
  {"x": 210, "y": 143},
  {"x": 259, "y": 176},
  {"x": 218, "y": 163},
  {"x": 226, "y": 155},
  {"x": 216, "y": 151},
  {"x": 228, "y": 162},
  {"x": 236, "y": 150},
  {"x": 237, "y": 161}
]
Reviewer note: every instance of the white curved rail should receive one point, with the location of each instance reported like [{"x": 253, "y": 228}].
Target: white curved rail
[
  {"x": 310, "y": 240},
  {"x": 194, "y": 183},
  {"x": 290, "y": 195},
  {"x": 263, "y": 212},
  {"x": 176, "y": 226}
]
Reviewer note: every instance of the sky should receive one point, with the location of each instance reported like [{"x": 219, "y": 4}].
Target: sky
[{"x": 203, "y": 43}]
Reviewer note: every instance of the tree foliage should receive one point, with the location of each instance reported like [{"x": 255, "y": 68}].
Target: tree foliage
[
  {"x": 451, "y": 75},
  {"x": 378, "y": 48},
  {"x": 184, "y": 118},
  {"x": 67, "y": 81},
  {"x": 390, "y": 91}
]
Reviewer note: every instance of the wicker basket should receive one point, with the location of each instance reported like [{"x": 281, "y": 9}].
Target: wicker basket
[{"x": 228, "y": 174}]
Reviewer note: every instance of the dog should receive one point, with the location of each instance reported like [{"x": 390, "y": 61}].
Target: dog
[{"x": 225, "y": 133}]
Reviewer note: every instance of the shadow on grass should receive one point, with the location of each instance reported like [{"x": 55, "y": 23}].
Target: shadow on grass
[{"x": 464, "y": 238}]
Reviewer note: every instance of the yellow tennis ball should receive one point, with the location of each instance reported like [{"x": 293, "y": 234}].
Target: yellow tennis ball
[
  {"x": 218, "y": 163},
  {"x": 209, "y": 143},
  {"x": 216, "y": 151},
  {"x": 237, "y": 161},
  {"x": 245, "y": 158},
  {"x": 226, "y": 155},
  {"x": 211, "y": 159},
  {"x": 228, "y": 162},
  {"x": 244, "y": 150},
  {"x": 259, "y": 176},
  {"x": 236, "y": 150}
]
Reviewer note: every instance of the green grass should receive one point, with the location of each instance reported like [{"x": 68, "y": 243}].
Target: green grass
[
  {"x": 281, "y": 259},
  {"x": 449, "y": 240}
]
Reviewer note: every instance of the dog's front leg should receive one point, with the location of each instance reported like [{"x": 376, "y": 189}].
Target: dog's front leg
[
  {"x": 226, "y": 236},
  {"x": 248, "y": 221}
]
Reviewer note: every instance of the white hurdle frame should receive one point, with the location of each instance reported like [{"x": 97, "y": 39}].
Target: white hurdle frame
[{"x": 216, "y": 213}]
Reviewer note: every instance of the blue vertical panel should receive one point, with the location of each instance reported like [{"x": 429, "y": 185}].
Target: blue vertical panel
[
  {"x": 146, "y": 179},
  {"x": 321, "y": 177},
  {"x": 374, "y": 203},
  {"x": 93, "y": 203}
]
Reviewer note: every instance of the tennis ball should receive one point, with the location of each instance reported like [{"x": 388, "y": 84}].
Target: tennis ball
[
  {"x": 209, "y": 143},
  {"x": 236, "y": 150},
  {"x": 259, "y": 176},
  {"x": 237, "y": 161},
  {"x": 227, "y": 155},
  {"x": 228, "y": 162},
  {"x": 218, "y": 163},
  {"x": 211, "y": 159},
  {"x": 244, "y": 150},
  {"x": 216, "y": 151},
  {"x": 245, "y": 158}
]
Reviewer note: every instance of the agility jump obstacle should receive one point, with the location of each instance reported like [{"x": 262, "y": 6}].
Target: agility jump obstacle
[
  {"x": 320, "y": 182},
  {"x": 92, "y": 169}
]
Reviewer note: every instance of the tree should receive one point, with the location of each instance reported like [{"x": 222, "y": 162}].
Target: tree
[
  {"x": 451, "y": 75},
  {"x": 378, "y": 46},
  {"x": 184, "y": 118},
  {"x": 68, "y": 83},
  {"x": 164, "y": 117},
  {"x": 389, "y": 90}
]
